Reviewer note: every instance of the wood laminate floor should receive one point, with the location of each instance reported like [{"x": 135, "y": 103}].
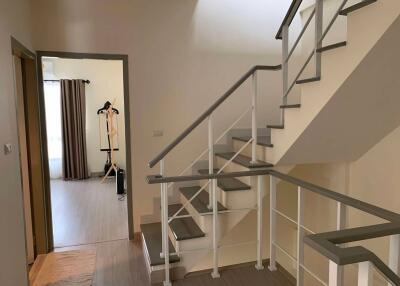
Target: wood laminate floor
[
  {"x": 121, "y": 263},
  {"x": 86, "y": 212}
]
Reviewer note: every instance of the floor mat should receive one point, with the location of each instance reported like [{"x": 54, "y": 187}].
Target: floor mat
[{"x": 70, "y": 268}]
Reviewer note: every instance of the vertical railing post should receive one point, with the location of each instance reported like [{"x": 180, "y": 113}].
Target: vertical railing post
[
  {"x": 285, "y": 62},
  {"x": 285, "y": 68},
  {"x": 394, "y": 254},
  {"x": 364, "y": 274},
  {"x": 254, "y": 120},
  {"x": 210, "y": 159},
  {"x": 259, "y": 265},
  {"x": 319, "y": 11},
  {"x": 164, "y": 226},
  {"x": 213, "y": 202},
  {"x": 162, "y": 173},
  {"x": 272, "y": 224},
  {"x": 167, "y": 281},
  {"x": 215, "y": 273},
  {"x": 336, "y": 272},
  {"x": 300, "y": 237}
]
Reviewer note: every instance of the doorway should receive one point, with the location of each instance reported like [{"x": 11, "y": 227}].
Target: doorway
[{"x": 87, "y": 205}]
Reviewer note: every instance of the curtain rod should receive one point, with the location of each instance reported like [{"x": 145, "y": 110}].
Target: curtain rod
[{"x": 56, "y": 80}]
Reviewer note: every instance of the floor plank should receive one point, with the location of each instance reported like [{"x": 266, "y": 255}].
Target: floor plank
[
  {"x": 121, "y": 263},
  {"x": 87, "y": 212}
]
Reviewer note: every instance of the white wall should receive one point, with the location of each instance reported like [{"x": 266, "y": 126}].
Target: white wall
[
  {"x": 373, "y": 178},
  {"x": 106, "y": 84},
  {"x": 183, "y": 55},
  {"x": 14, "y": 21}
]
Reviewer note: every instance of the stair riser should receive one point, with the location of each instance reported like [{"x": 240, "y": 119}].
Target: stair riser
[
  {"x": 233, "y": 167},
  {"x": 195, "y": 243},
  {"x": 203, "y": 221},
  {"x": 189, "y": 259},
  {"x": 234, "y": 199},
  {"x": 221, "y": 197},
  {"x": 261, "y": 151}
]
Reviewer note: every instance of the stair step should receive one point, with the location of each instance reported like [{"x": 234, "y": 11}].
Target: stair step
[
  {"x": 228, "y": 184},
  {"x": 183, "y": 228},
  {"x": 200, "y": 203},
  {"x": 331, "y": 47},
  {"x": 153, "y": 240},
  {"x": 291, "y": 106},
  {"x": 307, "y": 80},
  {"x": 278, "y": 126},
  {"x": 261, "y": 140},
  {"x": 355, "y": 7},
  {"x": 243, "y": 160}
]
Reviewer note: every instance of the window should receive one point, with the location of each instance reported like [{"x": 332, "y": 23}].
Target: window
[{"x": 52, "y": 98}]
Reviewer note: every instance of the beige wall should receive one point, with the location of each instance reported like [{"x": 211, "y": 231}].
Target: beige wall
[
  {"x": 182, "y": 57},
  {"x": 373, "y": 178},
  {"x": 14, "y": 21},
  {"x": 106, "y": 84}
]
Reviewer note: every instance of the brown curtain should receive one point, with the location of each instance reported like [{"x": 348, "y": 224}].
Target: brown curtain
[{"x": 73, "y": 117}]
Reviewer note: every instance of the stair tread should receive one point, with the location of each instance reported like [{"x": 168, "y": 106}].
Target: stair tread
[
  {"x": 153, "y": 241},
  {"x": 331, "y": 47},
  {"x": 307, "y": 80},
  {"x": 172, "y": 209},
  {"x": 183, "y": 228},
  {"x": 228, "y": 184},
  {"x": 355, "y": 7},
  {"x": 243, "y": 160},
  {"x": 200, "y": 203},
  {"x": 276, "y": 126},
  {"x": 261, "y": 140},
  {"x": 297, "y": 105}
]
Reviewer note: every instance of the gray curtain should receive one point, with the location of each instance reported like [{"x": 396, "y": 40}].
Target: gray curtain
[{"x": 73, "y": 117}]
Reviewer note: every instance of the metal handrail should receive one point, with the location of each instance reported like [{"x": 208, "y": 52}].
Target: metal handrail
[
  {"x": 319, "y": 42},
  {"x": 209, "y": 111},
  {"x": 300, "y": 35},
  {"x": 325, "y": 243},
  {"x": 349, "y": 201},
  {"x": 216, "y": 142},
  {"x": 294, "y": 7}
]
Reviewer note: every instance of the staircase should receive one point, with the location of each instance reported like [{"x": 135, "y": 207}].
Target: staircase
[{"x": 220, "y": 192}]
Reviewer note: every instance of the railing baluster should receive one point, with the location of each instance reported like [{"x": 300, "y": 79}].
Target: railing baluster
[
  {"x": 210, "y": 159},
  {"x": 394, "y": 254},
  {"x": 300, "y": 236},
  {"x": 336, "y": 272},
  {"x": 167, "y": 281},
  {"x": 162, "y": 173},
  {"x": 254, "y": 120},
  {"x": 272, "y": 224},
  {"x": 364, "y": 274},
  {"x": 259, "y": 265},
  {"x": 285, "y": 68},
  {"x": 319, "y": 11},
  {"x": 215, "y": 273}
]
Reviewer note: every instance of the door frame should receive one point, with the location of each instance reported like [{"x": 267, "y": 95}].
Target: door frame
[
  {"x": 93, "y": 56},
  {"x": 30, "y": 86}
]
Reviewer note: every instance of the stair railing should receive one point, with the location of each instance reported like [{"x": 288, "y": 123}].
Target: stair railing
[
  {"x": 320, "y": 34},
  {"x": 213, "y": 202},
  {"x": 208, "y": 115},
  {"x": 329, "y": 244},
  {"x": 283, "y": 34}
]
